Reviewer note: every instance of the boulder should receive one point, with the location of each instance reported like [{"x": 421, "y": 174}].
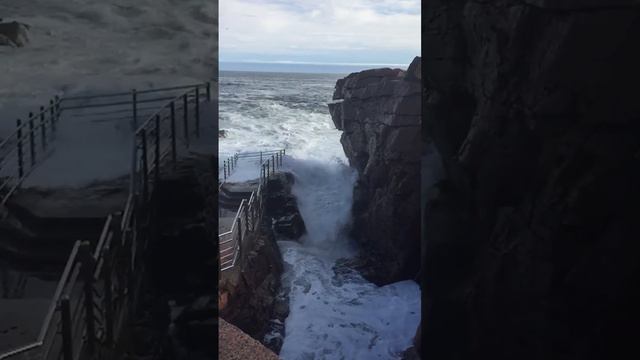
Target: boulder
[
  {"x": 281, "y": 206},
  {"x": 379, "y": 113},
  {"x": 14, "y": 34}
]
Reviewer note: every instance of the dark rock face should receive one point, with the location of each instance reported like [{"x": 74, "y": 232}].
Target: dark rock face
[
  {"x": 252, "y": 289},
  {"x": 379, "y": 112},
  {"x": 14, "y": 34},
  {"x": 282, "y": 207},
  {"x": 530, "y": 241}
]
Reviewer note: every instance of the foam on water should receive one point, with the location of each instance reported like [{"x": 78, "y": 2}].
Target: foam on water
[
  {"x": 266, "y": 111},
  {"x": 334, "y": 314}
]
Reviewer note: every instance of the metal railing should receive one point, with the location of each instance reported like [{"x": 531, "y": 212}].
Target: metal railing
[
  {"x": 131, "y": 106},
  {"x": 31, "y": 142},
  {"x": 250, "y": 212},
  {"x": 98, "y": 287},
  {"x": 24, "y": 148},
  {"x": 228, "y": 166}
]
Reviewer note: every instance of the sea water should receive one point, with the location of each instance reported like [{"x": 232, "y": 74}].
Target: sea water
[{"x": 333, "y": 315}]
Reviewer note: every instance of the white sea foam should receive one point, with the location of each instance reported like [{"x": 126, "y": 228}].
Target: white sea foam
[{"x": 332, "y": 315}]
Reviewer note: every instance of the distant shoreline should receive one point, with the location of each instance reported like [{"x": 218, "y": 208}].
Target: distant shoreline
[{"x": 225, "y": 66}]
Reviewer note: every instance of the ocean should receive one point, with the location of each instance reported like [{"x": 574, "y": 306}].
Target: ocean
[{"x": 332, "y": 316}]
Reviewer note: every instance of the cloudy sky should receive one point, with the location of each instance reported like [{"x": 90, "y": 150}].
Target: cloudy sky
[{"x": 320, "y": 31}]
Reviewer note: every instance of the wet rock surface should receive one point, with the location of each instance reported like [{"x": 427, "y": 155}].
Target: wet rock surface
[
  {"x": 282, "y": 207},
  {"x": 379, "y": 113},
  {"x": 530, "y": 240},
  {"x": 252, "y": 285}
]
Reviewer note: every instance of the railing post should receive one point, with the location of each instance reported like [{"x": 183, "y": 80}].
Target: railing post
[
  {"x": 267, "y": 169},
  {"x": 156, "y": 158},
  {"x": 87, "y": 268},
  {"x": 224, "y": 166},
  {"x": 208, "y": 91},
  {"x": 239, "y": 233},
  {"x": 174, "y": 154},
  {"x": 197, "y": 111},
  {"x": 43, "y": 129},
  {"x": 273, "y": 164},
  {"x": 246, "y": 215},
  {"x": 134, "y": 99},
  {"x": 67, "y": 347},
  {"x": 32, "y": 140},
  {"x": 260, "y": 157},
  {"x": 58, "y": 110},
  {"x": 20, "y": 155},
  {"x": 145, "y": 166},
  {"x": 185, "y": 102},
  {"x": 108, "y": 295},
  {"x": 52, "y": 114}
]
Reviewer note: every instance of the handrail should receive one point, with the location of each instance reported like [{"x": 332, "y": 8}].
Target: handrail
[
  {"x": 90, "y": 97},
  {"x": 97, "y": 262},
  {"x": 251, "y": 209}
]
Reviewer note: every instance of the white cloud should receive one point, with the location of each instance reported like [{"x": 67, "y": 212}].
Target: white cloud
[{"x": 296, "y": 27}]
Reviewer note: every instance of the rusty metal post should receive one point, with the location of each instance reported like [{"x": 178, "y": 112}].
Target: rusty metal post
[
  {"x": 67, "y": 331},
  {"x": 20, "y": 154},
  {"x": 87, "y": 268}
]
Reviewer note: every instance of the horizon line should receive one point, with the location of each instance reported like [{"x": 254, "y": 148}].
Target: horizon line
[{"x": 291, "y": 62}]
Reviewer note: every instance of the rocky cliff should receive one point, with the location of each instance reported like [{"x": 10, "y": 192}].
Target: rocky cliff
[
  {"x": 531, "y": 239},
  {"x": 379, "y": 113}
]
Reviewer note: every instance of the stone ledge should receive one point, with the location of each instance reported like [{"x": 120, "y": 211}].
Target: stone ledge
[{"x": 236, "y": 345}]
